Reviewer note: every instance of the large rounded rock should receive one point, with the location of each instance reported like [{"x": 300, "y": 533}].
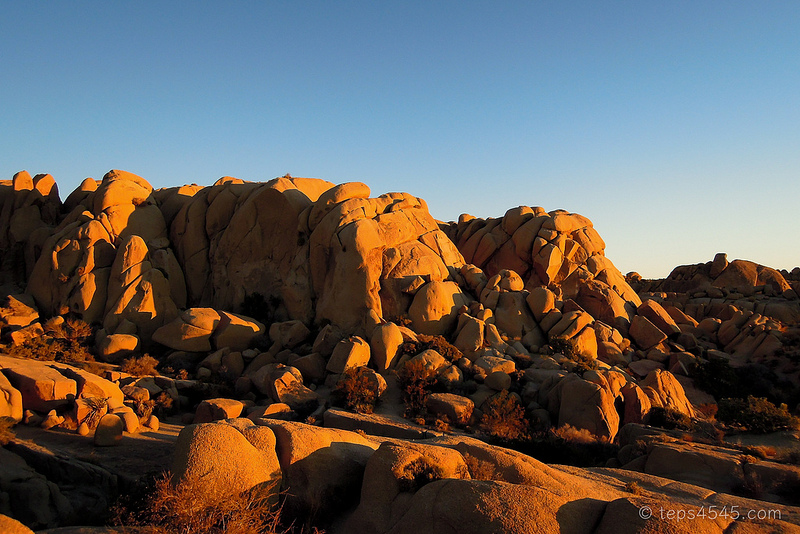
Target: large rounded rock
[
  {"x": 109, "y": 431},
  {"x": 664, "y": 390},
  {"x": 217, "y": 409},
  {"x": 236, "y": 331},
  {"x": 384, "y": 345},
  {"x": 434, "y": 310},
  {"x": 10, "y": 400},
  {"x": 191, "y": 331},
  {"x": 323, "y": 468},
  {"x": 235, "y": 455},
  {"x": 349, "y": 353},
  {"x": 9, "y": 525},
  {"x": 41, "y": 386}
]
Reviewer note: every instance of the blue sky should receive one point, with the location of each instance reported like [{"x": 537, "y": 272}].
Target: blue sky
[{"x": 674, "y": 126}]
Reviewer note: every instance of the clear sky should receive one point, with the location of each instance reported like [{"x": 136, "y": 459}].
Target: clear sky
[{"x": 674, "y": 126}]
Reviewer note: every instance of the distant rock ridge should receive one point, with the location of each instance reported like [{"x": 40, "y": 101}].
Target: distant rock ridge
[{"x": 736, "y": 275}]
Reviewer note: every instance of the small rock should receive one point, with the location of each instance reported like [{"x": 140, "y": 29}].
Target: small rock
[
  {"x": 498, "y": 381},
  {"x": 52, "y": 420},
  {"x": 456, "y": 408},
  {"x": 109, "y": 431}
]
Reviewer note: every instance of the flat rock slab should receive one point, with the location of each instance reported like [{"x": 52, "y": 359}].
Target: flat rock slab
[
  {"x": 376, "y": 425},
  {"x": 43, "y": 387}
]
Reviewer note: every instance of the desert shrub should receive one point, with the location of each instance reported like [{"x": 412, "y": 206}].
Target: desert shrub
[
  {"x": 708, "y": 411},
  {"x": 164, "y": 404},
  {"x": 504, "y": 418},
  {"x": 633, "y": 487},
  {"x": 73, "y": 329},
  {"x": 409, "y": 347},
  {"x": 52, "y": 349},
  {"x": 480, "y": 469},
  {"x": 756, "y": 415},
  {"x": 182, "y": 374},
  {"x": 144, "y": 409},
  {"x": 142, "y": 366},
  {"x": 441, "y": 424},
  {"x": 762, "y": 452},
  {"x": 718, "y": 378},
  {"x": 568, "y": 348},
  {"x": 580, "y": 436},
  {"x": 355, "y": 391},
  {"x": 569, "y": 445},
  {"x": 418, "y": 473},
  {"x": 98, "y": 407},
  {"x": 440, "y": 345},
  {"x": 415, "y": 382},
  {"x": 751, "y": 487},
  {"x": 670, "y": 419},
  {"x": 6, "y": 430},
  {"x": 193, "y": 506}
]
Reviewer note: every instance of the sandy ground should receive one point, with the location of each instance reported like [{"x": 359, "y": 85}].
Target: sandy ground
[{"x": 135, "y": 455}]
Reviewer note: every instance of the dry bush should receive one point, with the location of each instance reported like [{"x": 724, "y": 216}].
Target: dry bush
[
  {"x": 98, "y": 407},
  {"x": 441, "y": 424},
  {"x": 418, "y": 473},
  {"x": 415, "y": 383},
  {"x": 142, "y": 366},
  {"x": 568, "y": 348},
  {"x": 355, "y": 391},
  {"x": 480, "y": 469},
  {"x": 194, "y": 507},
  {"x": 751, "y": 487},
  {"x": 577, "y": 435},
  {"x": 762, "y": 452},
  {"x": 708, "y": 411},
  {"x": 440, "y": 345},
  {"x": 165, "y": 405},
  {"x": 504, "y": 418},
  {"x": 634, "y": 487},
  {"x": 52, "y": 349},
  {"x": 669, "y": 419},
  {"x": 71, "y": 328},
  {"x": 6, "y": 430},
  {"x": 757, "y": 415}
]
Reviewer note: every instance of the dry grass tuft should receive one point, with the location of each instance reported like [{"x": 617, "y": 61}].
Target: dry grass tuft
[
  {"x": 577, "y": 435},
  {"x": 6, "y": 430},
  {"x": 194, "y": 507},
  {"x": 418, "y": 473},
  {"x": 415, "y": 382},
  {"x": 53, "y": 349},
  {"x": 504, "y": 418},
  {"x": 480, "y": 469},
  {"x": 355, "y": 391},
  {"x": 98, "y": 407},
  {"x": 634, "y": 487},
  {"x": 143, "y": 366}
]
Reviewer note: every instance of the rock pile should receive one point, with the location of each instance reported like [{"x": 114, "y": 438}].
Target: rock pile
[{"x": 173, "y": 270}]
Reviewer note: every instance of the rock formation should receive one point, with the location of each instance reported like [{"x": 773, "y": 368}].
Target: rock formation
[{"x": 265, "y": 299}]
